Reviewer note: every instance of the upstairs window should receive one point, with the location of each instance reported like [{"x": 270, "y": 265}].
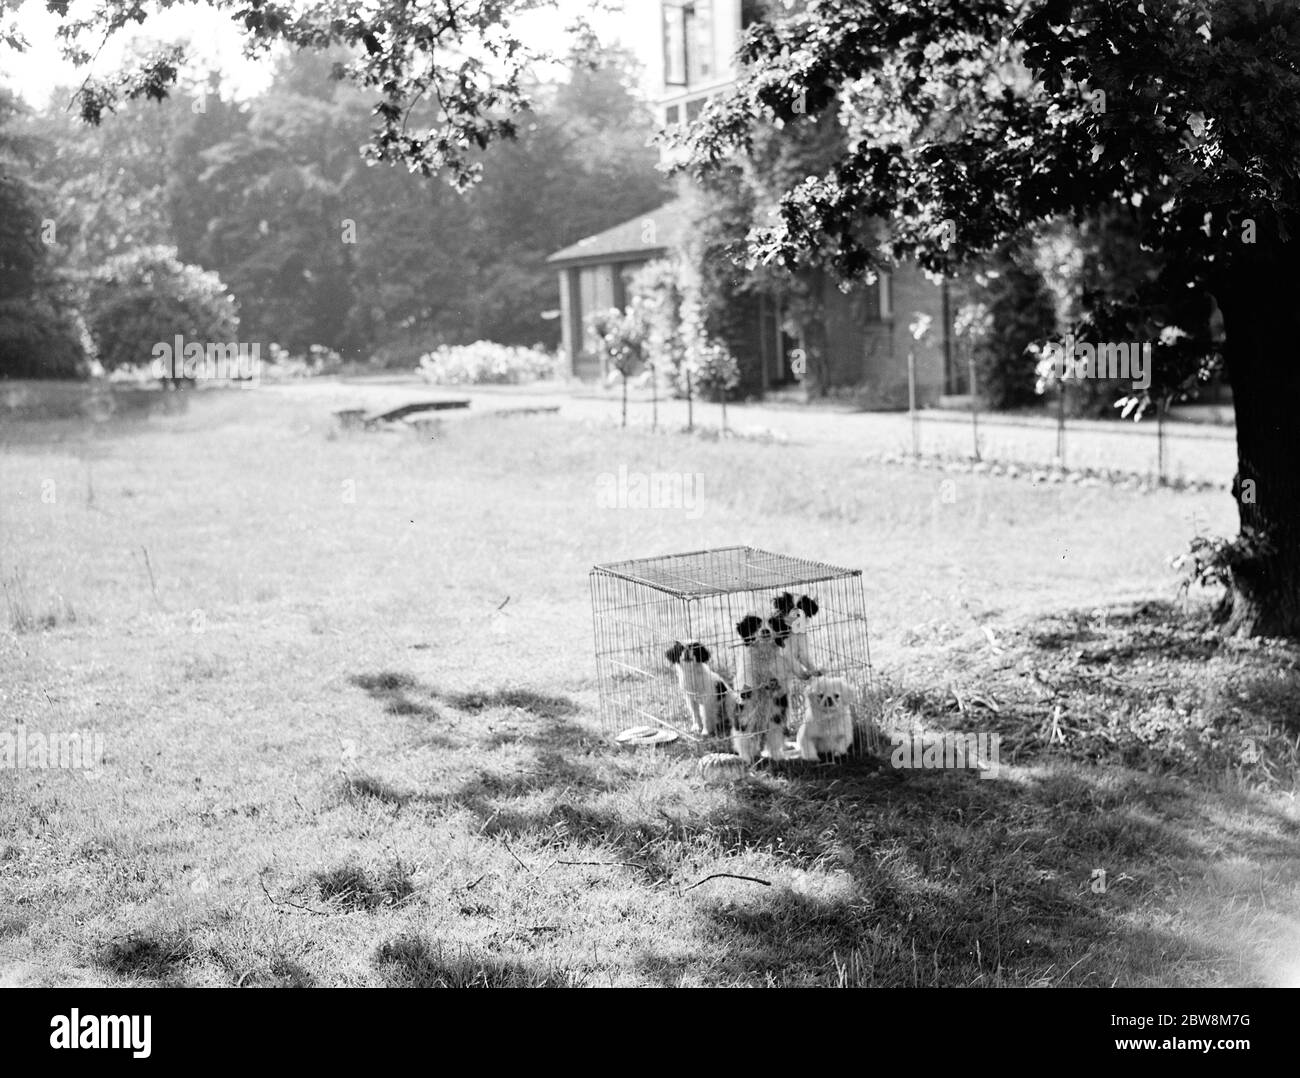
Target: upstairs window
[
  {"x": 688, "y": 42},
  {"x": 674, "y": 45}
]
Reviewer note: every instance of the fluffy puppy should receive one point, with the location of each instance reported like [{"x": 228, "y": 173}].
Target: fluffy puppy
[
  {"x": 760, "y": 724},
  {"x": 797, "y": 613},
  {"x": 828, "y": 728},
  {"x": 709, "y": 698},
  {"x": 762, "y": 671}
]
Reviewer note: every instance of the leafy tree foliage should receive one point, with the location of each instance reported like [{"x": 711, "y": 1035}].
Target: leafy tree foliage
[
  {"x": 972, "y": 121},
  {"x": 148, "y": 296},
  {"x": 1020, "y": 313},
  {"x": 318, "y": 248},
  {"x": 443, "y": 79},
  {"x": 40, "y": 336}
]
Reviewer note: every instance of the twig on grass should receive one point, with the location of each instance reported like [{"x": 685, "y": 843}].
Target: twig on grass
[
  {"x": 153, "y": 584},
  {"x": 285, "y": 902},
  {"x": 515, "y": 856},
  {"x": 607, "y": 864},
  {"x": 728, "y": 876}
]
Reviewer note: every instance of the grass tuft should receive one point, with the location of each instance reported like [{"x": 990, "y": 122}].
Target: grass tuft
[{"x": 353, "y": 888}]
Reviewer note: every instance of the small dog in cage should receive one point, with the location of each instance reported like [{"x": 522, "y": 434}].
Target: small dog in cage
[
  {"x": 828, "y": 729},
  {"x": 709, "y": 699},
  {"x": 763, "y": 672},
  {"x": 760, "y": 723},
  {"x": 797, "y": 613},
  {"x": 763, "y": 659}
]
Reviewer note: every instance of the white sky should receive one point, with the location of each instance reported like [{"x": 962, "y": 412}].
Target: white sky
[{"x": 215, "y": 43}]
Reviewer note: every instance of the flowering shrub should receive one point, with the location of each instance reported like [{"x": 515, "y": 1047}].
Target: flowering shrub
[
  {"x": 712, "y": 366},
  {"x": 621, "y": 338},
  {"x": 279, "y": 363},
  {"x": 148, "y": 295},
  {"x": 658, "y": 298},
  {"x": 486, "y": 363}
]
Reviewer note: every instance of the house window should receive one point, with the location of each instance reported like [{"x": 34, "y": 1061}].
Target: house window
[
  {"x": 688, "y": 42},
  {"x": 699, "y": 30},
  {"x": 623, "y": 278},
  {"x": 674, "y": 45}
]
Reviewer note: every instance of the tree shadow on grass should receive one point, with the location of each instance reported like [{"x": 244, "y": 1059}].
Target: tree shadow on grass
[
  {"x": 415, "y": 962},
  {"x": 539, "y": 704},
  {"x": 405, "y": 695},
  {"x": 558, "y": 745},
  {"x": 400, "y": 694},
  {"x": 1061, "y": 872},
  {"x": 155, "y": 956},
  {"x": 361, "y": 788},
  {"x": 948, "y": 880}
]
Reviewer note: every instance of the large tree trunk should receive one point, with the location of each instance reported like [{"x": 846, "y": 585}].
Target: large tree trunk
[{"x": 1261, "y": 312}]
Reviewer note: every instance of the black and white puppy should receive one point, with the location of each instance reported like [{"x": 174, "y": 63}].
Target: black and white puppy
[
  {"x": 709, "y": 698},
  {"x": 797, "y": 614},
  {"x": 762, "y": 672}
]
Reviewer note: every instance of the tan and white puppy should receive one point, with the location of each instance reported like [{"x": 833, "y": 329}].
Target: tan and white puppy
[
  {"x": 760, "y": 724},
  {"x": 828, "y": 728}
]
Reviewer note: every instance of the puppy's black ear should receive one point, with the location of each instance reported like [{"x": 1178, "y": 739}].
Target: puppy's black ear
[
  {"x": 780, "y": 627},
  {"x": 699, "y": 653},
  {"x": 784, "y": 602},
  {"x": 808, "y": 605},
  {"x": 748, "y": 627},
  {"x": 674, "y": 653}
]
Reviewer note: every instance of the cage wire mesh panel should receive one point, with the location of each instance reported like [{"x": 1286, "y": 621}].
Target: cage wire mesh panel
[{"x": 641, "y": 607}]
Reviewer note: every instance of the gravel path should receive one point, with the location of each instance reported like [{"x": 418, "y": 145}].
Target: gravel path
[{"x": 1192, "y": 450}]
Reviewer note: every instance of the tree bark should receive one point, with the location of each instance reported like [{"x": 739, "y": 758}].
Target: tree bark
[{"x": 1261, "y": 311}]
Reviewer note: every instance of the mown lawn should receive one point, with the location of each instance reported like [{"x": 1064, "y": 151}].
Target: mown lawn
[{"x": 349, "y": 707}]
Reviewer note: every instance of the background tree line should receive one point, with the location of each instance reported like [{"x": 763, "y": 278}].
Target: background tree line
[{"x": 315, "y": 245}]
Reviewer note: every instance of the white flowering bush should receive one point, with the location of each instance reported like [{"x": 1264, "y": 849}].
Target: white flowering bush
[
  {"x": 713, "y": 368},
  {"x": 279, "y": 364},
  {"x": 486, "y": 363}
]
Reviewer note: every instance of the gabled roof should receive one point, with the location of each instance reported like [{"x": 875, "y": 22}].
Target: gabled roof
[{"x": 649, "y": 235}]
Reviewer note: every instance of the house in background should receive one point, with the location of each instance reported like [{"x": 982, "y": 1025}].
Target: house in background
[
  {"x": 595, "y": 272},
  {"x": 866, "y": 334}
]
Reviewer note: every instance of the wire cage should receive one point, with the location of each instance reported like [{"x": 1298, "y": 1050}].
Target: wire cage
[{"x": 645, "y": 607}]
